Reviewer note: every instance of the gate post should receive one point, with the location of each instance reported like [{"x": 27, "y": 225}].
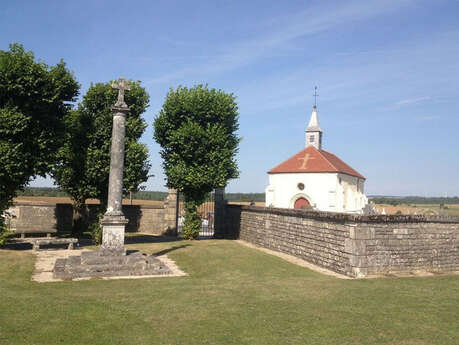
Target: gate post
[
  {"x": 219, "y": 213},
  {"x": 170, "y": 213}
]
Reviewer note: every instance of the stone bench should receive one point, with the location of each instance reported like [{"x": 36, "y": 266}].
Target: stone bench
[{"x": 37, "y": 242}]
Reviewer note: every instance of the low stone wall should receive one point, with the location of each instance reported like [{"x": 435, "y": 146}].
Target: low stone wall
[
  {"x": 41, "y": 218},
  {"x": 318, "y": 241},
  {"x": 357, "y": 246},
  {"x": 52, "y": 218},
  {"x": 394, "y": 246}
]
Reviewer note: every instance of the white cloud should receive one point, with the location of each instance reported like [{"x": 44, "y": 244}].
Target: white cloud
[
  {"x": 376, "y": 77},
  {"x": 410, "y": 101},
  {"x": 286, "y": 29}
]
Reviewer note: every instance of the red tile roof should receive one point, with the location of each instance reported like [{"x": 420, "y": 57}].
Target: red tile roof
[{"x": 311, "y": 160}]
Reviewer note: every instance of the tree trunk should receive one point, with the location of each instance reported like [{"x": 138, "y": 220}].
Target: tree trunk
[{"x": 80, "y": 217}]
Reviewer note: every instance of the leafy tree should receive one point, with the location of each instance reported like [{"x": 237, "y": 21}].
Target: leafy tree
[
  {"x": 196, "y": 130},
  {"x": 34, "y": 98},
  {"x": 84, "y": 159}
]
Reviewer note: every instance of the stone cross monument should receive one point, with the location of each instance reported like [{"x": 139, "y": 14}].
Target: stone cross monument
[
  {"x": 114, "y": 222},
  {"x": 112, "y": 260}
]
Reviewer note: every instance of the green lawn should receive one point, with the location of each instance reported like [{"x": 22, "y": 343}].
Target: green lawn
[{"x": 233, "y": 295}]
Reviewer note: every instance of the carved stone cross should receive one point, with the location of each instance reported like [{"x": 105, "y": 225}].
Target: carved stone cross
[
  {"x": 305, "y": 160},
  {"x": 121, "y": 86}
]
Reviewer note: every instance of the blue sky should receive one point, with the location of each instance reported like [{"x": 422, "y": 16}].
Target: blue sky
[{"x": 387, "y": 73}]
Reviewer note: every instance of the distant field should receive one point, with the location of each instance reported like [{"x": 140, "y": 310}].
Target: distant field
[
  {"x": 421, "y": 209},
  {"x": 450, "y": 210},
  {"x": 66, "y": 200}
]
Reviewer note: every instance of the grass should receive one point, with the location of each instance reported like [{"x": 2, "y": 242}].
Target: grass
[
  {"x": 450, "y": 210},
  {"x": 233, "y": 295}
]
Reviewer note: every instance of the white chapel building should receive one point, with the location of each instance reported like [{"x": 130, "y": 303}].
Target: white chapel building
[{"x": 315, "y": 178}]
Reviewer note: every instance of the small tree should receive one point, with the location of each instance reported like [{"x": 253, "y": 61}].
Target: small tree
[
  {"x": 84, "y": 159},
  {"x": 34, "y": 98},
  {"x": 196, "y": 130}
]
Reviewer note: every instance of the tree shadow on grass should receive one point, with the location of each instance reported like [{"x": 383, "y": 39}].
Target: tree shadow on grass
[
  {"x": 167, "y": 250},
  {"x": 205, "y": 237},
  {"x": 141, "y": 238},
  {"x": 17, "y": 245},
  {"x": 159, "y": 253}
]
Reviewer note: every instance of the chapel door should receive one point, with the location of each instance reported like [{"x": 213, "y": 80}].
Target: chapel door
[{"x": 301, "y": 203}]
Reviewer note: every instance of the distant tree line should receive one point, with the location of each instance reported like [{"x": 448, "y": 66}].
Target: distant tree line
[
  {"x": 150, "y": 195},
  {"x": 415, "y": 200},
  {"x": 248, "y": 197},
  {"x": 42, "y": 191},
  {"x": 141, "y": 195},
  {"x": 161, "y": 196}
]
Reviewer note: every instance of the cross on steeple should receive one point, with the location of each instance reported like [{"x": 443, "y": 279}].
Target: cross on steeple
[
  {"x": 315, "y": 96},
  {"x": 122, "y": 86}
]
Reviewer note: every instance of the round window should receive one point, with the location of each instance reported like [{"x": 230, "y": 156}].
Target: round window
[{"x": 300, "y": 186}]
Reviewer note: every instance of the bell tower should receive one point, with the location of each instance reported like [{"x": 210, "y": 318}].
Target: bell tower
[{"x": 313, "y": 131}]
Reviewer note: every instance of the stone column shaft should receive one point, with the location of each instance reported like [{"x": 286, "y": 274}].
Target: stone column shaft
[
  {"x": 113, "y": 223},
  {"x": 115, "y": 184}
]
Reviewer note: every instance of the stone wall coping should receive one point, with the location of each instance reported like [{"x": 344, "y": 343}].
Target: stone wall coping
[
  {"x": 345, "y": 217},
  {"x": 50, "y": 204},
  {"x": 43, "y": 204}
]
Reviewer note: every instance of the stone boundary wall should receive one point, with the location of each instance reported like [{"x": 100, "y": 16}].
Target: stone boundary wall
[
  {"x": 404, "y": 247},
  {"x": 41, "y": 218},
  {"x": 314, "y": 240},
  {"x": 34, "y": 218},
  {"x": 358, "y": 246}
]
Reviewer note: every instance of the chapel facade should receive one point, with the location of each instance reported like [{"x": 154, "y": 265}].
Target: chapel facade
[{"x": 316, "y": 179}]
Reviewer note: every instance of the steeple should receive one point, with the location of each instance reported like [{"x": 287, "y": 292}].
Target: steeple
[
  {"x": 314, "y": 121},
  {"x": 313, "y": 131}
]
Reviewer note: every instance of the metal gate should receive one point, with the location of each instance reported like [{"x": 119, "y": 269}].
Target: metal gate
[{"x": 205, "y": 211}]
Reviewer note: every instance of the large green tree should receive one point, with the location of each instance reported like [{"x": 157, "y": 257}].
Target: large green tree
[
  {"x": 84, "y": 159},
  {"x": 34, "y": 99},
  {"x": 196, "y": 129}
]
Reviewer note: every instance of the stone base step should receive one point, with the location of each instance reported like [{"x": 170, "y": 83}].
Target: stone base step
[{"x": 93, "y": 264}]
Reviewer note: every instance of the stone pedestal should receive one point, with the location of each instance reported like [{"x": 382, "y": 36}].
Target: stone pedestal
[{"x": 113, "y": 228}]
